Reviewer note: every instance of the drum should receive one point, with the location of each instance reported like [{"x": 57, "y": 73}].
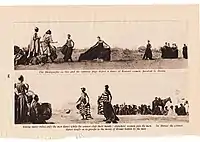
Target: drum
[{"x": 46, "y": 111}]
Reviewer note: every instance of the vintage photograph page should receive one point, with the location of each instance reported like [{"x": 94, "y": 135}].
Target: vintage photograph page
[{"x": 100, "y": 71}]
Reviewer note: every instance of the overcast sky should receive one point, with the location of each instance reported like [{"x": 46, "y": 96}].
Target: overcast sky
[
  {"x": 129, "y": 35},
  {"x": 133, "y": 88}
]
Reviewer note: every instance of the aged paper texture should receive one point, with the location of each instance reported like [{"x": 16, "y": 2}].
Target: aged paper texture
[{"x": 99, "y": 71}]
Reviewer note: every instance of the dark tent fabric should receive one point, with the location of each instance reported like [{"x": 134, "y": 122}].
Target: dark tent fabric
[{"x": 96, "y": 52}]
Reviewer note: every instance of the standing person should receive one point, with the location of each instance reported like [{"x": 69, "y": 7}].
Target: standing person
[
  {"x": 169, "y": 45},
  {"x": 154, "y": 106},
  {"x": 171, "y": 111},
  {"x": 84, "y": 105},
  {"x": 20, "y": 98},
  {"x": 35, "y": 44},
  {"x": 68, "y": 49},
  {"x": 148, "y": 52},
  {"x": 182, "y": 110},
  {"x": 35, "y": 111},
  {"x": 164, "y": 50},
  {"x": 186, "y": 104},
  {"x": 29, "y": 107},
  {"x": 97, "y": 51},
  {"x": 185, "y": 51},
  {"x": 108, "y": 110},
  {"x": 47, "y": 47},
  {"x": 100, "y": 43}
]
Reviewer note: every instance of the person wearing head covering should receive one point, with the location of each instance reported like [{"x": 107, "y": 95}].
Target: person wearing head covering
[
  {"x": 46, "y": 46},
  {"x": 174, "y": 51},
  {"x": 83, "y": 105},
  {"x": 148, "y": 52},
  {"x": 20, "y": 100},
  {"x": 108, "y": 110},
  {"x": 185, "y": 51},
  {"x": 154, "y": 105},
  {"x": 35, "y": 44},
  {"x": 164, "y": 50},
  {"x": 182, "y": 110},
  {"x": 186, "y": 104},
  {"x": 68, "y": 49}
]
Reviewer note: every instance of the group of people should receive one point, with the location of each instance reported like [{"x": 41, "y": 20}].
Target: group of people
[
  {"x": 29, "y": 110},
  {"x": 42, "y": 51},
  {"x": 27, "y": 106},
  {"x": 83, "y": 106},
  {"x": 167, "y": 51},
  {"x": 144, "y": 109},
  {"x": 38, "y": 51}
]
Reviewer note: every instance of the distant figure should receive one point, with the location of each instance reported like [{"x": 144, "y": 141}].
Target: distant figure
[
  {"x": 185, "y": 51},
  {"x": 35, "y": 44},
  {"x": 109, "y": 112},
  {"x": 98, "y": 51},
  {"x": 68, "y": 49},
  {"x": 164, "y": 50},
  {"x": 171, "y": 111},
  {"x": 83, "y": 105},
  {"x": 149, "y": 111},
  {"x": 154, "y": 105},
  {"x": 174, "y": 51},
  {"x": 148, "y": 52},
  {"x": 182, "y": 110},
  {"x": 116, "y": 108},
  {"x": 168, "y": 45},
  {"x": 165, "y": 112},
  {"x": 186, "y": 104}
]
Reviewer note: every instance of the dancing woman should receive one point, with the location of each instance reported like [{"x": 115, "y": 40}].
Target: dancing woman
[
  {"x": 83, "y": 105},
  {"x": 48, "y": 49},
  {"x": 68, "y": 49}
]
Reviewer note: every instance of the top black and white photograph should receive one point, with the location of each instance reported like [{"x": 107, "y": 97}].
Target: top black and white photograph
[{"x": 100, "y": 44}]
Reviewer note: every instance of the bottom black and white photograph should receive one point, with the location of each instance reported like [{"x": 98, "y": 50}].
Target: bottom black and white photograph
[{"x": 100, "y": 98}]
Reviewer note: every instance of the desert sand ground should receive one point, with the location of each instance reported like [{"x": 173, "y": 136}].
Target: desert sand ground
[
  {"x": 120, "y": 59},
  {"x": 135, "y": 64},
  {"x": 61, "y": 117}
]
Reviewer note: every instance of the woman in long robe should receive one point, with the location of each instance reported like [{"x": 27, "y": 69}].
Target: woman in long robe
[
  {"x": 35, "y": 44},
  {"x": 68, "y": 49},
  {"x": 108, "y": 110},
  {"x": 46, "y": 46},
  {"x": 98, "y": 51},
  {"x": 20, "y": 98},
  {"x": 84, "y": 105},
  {"x": 148, "y": 52},
  {"x": 185, "y": 51}
]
